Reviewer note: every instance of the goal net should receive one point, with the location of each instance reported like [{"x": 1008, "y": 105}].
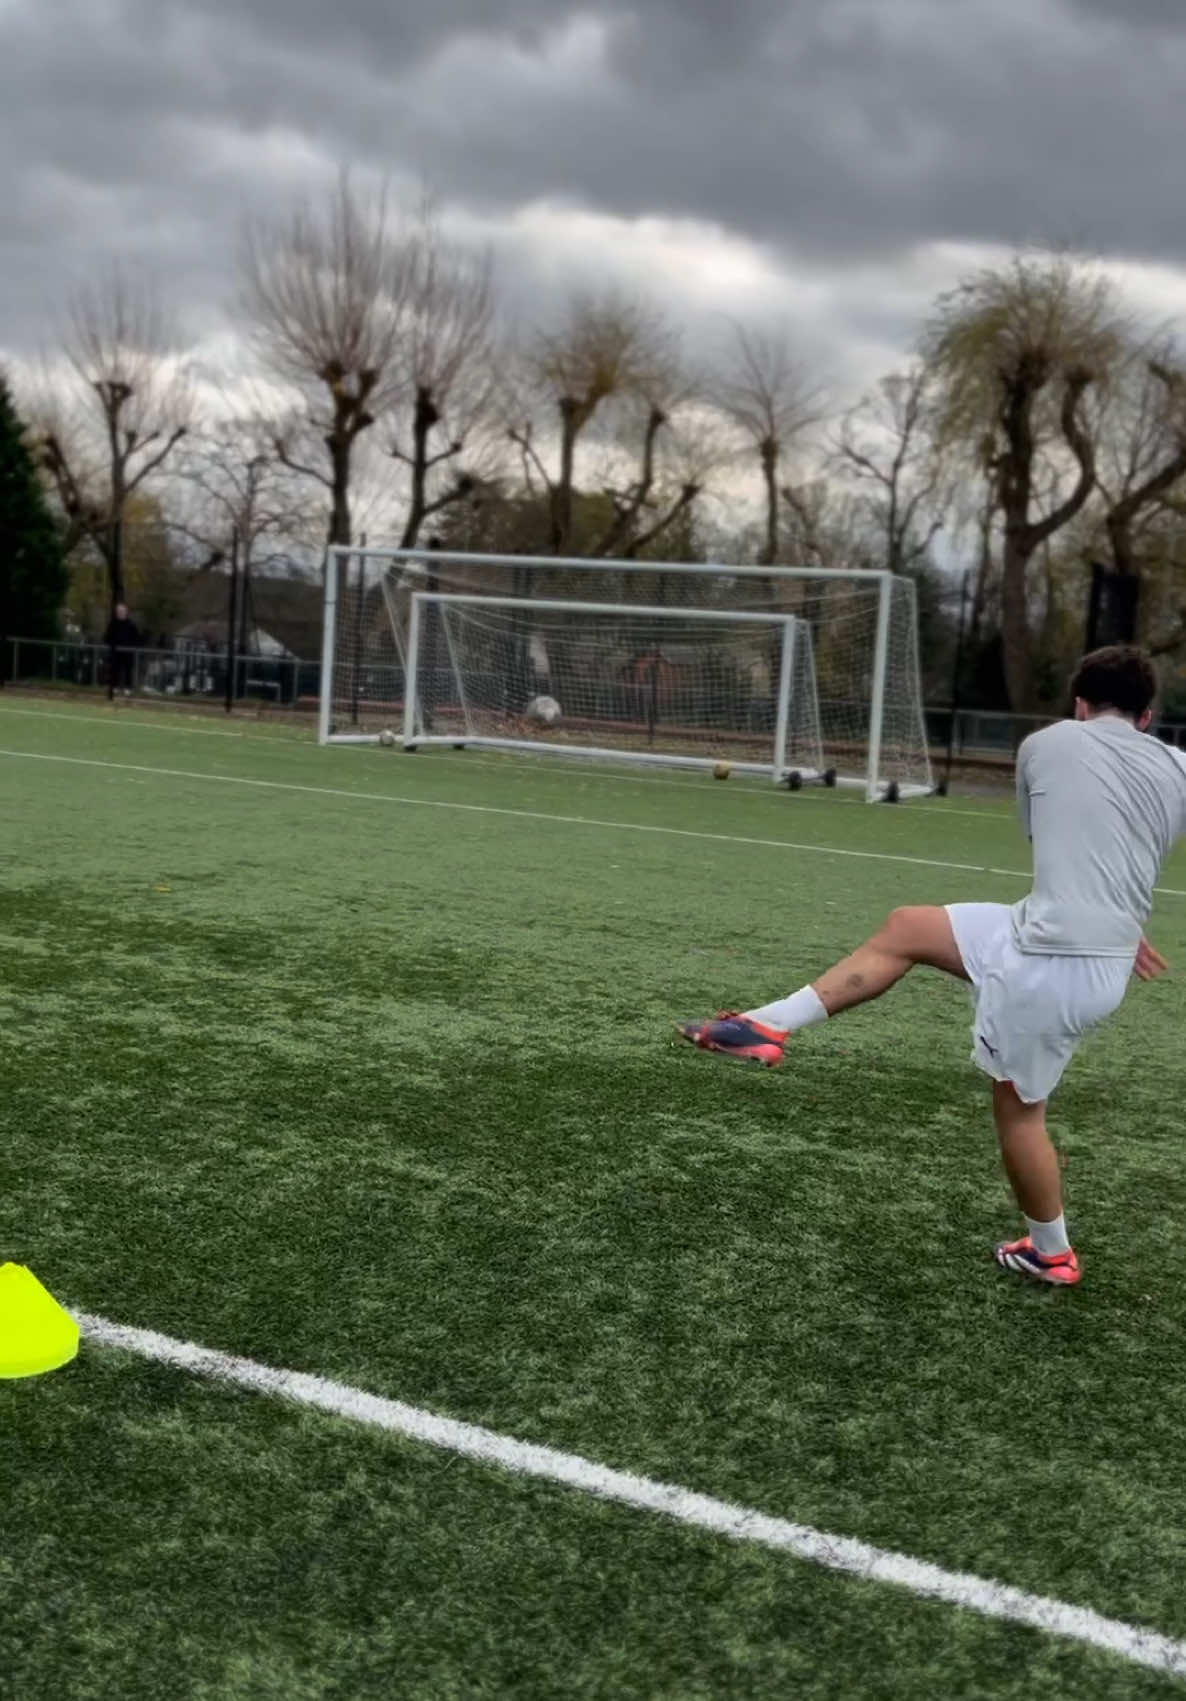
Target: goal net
[
  {"x": 861, "y": 635},
  {"x": 681, "y": 687}
]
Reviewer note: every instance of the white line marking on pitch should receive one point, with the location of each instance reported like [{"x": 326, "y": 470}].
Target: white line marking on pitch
[
  {"x": 768, "y": 793},
  {"x": 518, "y": 814},
  {"x": 554, "y": 768},
  {"x": 124, "y": 718},
  {"x": 534, "y": 815},
  {"x": 699, "y": 1511}
]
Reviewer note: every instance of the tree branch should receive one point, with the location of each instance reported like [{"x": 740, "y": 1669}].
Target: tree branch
[
  {"x": 285, "y": 459},
  {"x": 1081, "y": 446},
  {"x": 629, "y": 507},
  {"x": 686, "y": 497},
  {"x": 523, "y": 441},
  {"x": 455, "y": 493},
  {"x": 157, "y": 460},
  {"x": 448, "y": 454}
]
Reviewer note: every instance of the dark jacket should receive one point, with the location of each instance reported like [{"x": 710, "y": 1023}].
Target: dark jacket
[{"x": 123, "y": 634}]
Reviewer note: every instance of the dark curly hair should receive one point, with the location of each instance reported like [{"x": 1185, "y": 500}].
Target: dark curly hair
[{"x": 1120, "y": 677}]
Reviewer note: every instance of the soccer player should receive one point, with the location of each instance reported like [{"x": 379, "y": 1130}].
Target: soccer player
[{"x": 1103, "y": 805}]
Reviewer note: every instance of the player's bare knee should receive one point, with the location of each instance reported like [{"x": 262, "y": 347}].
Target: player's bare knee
[
  {"x": 900, "y": 929},
  {"x": 921, "y": 933}
]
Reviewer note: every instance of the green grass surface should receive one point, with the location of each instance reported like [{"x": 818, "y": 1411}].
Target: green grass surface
[{"x": 385, "y": 1090}]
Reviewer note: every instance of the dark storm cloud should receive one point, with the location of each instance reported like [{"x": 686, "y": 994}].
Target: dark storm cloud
[
  {"x": 409, "y": 31},
  {"x": 833, "y": 129}
]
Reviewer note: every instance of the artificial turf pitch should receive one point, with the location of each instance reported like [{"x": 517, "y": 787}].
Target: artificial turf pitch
[{"x": 388, "y": 1091}]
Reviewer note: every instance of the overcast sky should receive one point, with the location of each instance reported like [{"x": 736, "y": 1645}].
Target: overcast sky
[{"x": 833, "y": 163}]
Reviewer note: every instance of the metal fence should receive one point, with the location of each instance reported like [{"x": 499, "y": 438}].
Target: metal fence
[
  {"x": 189, "y": 672},
  {"x": 286, "y": 681},
  {"x": 985, "y": 733}
]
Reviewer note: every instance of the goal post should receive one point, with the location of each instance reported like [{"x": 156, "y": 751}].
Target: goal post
[
  {"x": 624, "y": 682},
  {"x": 861, "y": 627}
]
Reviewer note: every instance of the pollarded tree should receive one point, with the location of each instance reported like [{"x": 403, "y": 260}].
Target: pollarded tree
[
  {"x": 665, "y": 444},
  {"x": 324, "y": 292},
  {"x": 605, "y": 351},
  {"x": 447, "y": 358},
  {"x": 764, "y": 390},
  {"x": 107, "y": 431}
]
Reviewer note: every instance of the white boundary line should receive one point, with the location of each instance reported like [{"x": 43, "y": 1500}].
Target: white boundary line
[
  {"x": 519, "y": 814},
  {"x": 699, "y": 1511},
  {"x": 538, "y": 815},
  {"x": 126, "y": 718},
  {"x": 523, "y": 760}
]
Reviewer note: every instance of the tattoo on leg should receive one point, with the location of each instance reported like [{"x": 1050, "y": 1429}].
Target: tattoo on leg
[{"x": 855, "y": 982}]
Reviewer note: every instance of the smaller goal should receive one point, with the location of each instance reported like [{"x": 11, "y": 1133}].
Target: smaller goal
[{"x": 680, "y": 687}]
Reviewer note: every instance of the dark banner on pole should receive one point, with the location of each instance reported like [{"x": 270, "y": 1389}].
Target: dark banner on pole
[{"x": 1112, "y": 611}]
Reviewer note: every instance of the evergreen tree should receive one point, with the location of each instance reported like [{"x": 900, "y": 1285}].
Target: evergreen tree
[{"x": 32, "y": 571}]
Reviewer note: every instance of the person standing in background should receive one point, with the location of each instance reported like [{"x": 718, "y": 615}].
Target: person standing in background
[{"x": 123, "y": 638}]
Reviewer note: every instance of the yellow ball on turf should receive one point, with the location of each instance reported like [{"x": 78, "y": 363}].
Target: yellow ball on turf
[{"x": 721, "y": 771}]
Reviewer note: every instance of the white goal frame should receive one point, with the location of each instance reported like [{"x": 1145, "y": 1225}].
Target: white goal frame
[
  {"x": 789, "y": 625},
  {"x": 425, "y": 562}
]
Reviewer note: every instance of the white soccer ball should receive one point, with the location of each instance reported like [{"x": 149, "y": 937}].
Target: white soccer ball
[
  {"x": 387, "y": 737},
  {"x": 545, "y": 710}
]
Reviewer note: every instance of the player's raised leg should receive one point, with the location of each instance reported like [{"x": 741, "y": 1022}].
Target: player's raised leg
[
  {"x": 1031, "y": 1163},
  {"x": 909, "y": 937}
]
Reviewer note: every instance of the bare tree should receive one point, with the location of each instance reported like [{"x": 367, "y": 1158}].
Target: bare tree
[
  {"x": 824, "y": 526},
  {"x": 886, "y": 448},
  {"x": 766, "y": 393},
  {"x": 663, "y": 435},
  {"x": 1016, "y": 350},
  {"x": 1143, "y": 451},
  {"x": 325, "y": 295},
  {"x": 447, "y": 357},
  {"x": 117, "y": 419},
  {"x": 232, "y": 487},
  {"x": 605, "y": 349}
]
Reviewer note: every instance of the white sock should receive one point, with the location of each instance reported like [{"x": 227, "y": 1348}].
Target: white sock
[
  {"x": 801, "y": 1010},
  {"x": 1049, "y": 1238}
]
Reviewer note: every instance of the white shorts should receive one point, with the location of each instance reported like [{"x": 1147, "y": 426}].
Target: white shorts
[{"x": 1031, "y": 1011}]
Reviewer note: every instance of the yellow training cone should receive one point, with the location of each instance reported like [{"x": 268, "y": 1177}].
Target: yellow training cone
[{"x": 36, "y": 1335}]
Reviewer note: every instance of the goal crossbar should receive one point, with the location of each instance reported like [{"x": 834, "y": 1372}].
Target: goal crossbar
[
  {"x": 577, "y": 605},
  {"x": 435, "y": 558}
]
